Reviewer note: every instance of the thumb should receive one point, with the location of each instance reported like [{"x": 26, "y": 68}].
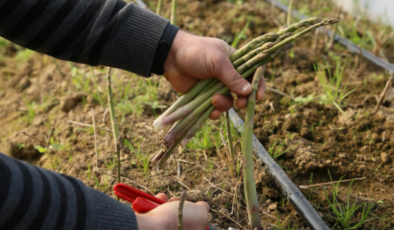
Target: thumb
[{"x": 227, "y": 74}]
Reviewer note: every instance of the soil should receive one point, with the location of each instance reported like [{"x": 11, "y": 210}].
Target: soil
[{"x": 49, "y": 103}]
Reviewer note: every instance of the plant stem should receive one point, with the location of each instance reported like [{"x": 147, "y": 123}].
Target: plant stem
[
  {"x": 95, "y": 137},
  {"x": 230, "y": 144},
  {"x": 289, "y": 12},
  {"x": 247, "y": 151},
  {"x": 334, "y": 30},
  {"x": 173, "y": 12},
  {"x": 180, "y": 210},
  {"x": 115, "y": 129},
  {"x": 178, "y": 130},
  {"x": 252, "y": 53},
  {"x": 197, "y": 126},
  {"x": 252, "y": 44},
  {"x": 298, "y": 25},
  {"x": 159, "y": 3},
  {"x": 327, "y": 21},
  {"x": 187, "y": 109},
  {"x": 184, "y": 99}
]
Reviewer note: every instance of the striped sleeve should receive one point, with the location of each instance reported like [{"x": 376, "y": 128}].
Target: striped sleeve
[
  {"x": 94, "y": 32},
  {"x": 35, "y": 198}
]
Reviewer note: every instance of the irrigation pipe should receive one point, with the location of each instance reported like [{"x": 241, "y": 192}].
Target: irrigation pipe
[
  {"x": 341, "y": 40},
  {"x": 282, "y": 182}
]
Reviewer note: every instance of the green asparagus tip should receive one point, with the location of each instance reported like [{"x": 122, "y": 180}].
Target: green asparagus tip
[{"x": 330, "y": 21}]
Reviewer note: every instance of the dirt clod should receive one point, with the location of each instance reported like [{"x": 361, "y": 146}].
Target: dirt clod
[
  {"x": 68, "y": 102},
  {"x": 290, "y": 125},
  {"x": 384, "y": 157}
]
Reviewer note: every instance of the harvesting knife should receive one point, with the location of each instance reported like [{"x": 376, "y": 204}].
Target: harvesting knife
[{"x": 142, "y": 202}]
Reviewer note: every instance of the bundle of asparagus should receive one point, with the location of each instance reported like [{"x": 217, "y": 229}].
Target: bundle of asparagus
[{"x": 186, "y": 116}]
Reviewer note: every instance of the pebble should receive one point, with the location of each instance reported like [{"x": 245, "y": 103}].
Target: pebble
[{"x": 385, "y": 157}]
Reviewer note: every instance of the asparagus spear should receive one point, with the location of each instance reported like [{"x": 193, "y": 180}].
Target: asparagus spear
[
  {"x": 187, "y": 109},
  {"x": 252, "y": 53},
  {"x": 197, "y": 126},
  {"x": 252, "y": 202},
  {"x": 184, "y": 99},
  {"x": 252, "y": 44}
]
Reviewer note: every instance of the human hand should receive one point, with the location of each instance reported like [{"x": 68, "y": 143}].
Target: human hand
[
  {"x": 165, "y": 217},
  {"x": 192, "y": 58}
]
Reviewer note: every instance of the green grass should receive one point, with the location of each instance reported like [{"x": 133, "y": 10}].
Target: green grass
[
  {"x": 277, "y": 149},
  {"x": 334, "y": 90},
  {"x": 344, "y": 214}
]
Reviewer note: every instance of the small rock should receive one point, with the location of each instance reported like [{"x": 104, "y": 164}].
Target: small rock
[
  {"x": 269, "y": 201},
  {"x": 328, "y": 162},
  {"x": 390, "y": 96},
  {"x": 125, "y": 157},
  {"x": 272, "y": 207},
  {"x": 364, "y": 149},
  {"x": 68, "y": 102},
  {"x": 375, "y": 137},
  {"x": 342, "y": 155},
  {"x": 385, "y": 157},
  {"x": 306, "y": 133},
  {"x": 290, "y": 125}
]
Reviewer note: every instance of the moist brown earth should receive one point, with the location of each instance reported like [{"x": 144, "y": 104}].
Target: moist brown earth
[{"x": 48, "y": 103}]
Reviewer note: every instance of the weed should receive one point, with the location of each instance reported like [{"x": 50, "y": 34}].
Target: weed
[
  {"x": 334, "y": 93},
  {"x": 276, "y": 149},
  {"x": 345, "y": 212},
  {"x": 110, "y": 163}
]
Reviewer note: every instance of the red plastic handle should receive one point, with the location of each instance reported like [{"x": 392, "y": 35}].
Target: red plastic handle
[
  {"x": 131, "y": 194},
  {"x": 142, "y": 205},
  {"x": 142, "y": 202}
]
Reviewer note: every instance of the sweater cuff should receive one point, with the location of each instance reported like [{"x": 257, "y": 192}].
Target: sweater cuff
[
  {"x": 112, "y": 214},
  {"x": 138, "y": 41}
]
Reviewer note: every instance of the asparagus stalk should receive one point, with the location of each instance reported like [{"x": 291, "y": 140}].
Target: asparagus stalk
[
  {"x": 247, "y": 151},
  {"x": 115, "y": 129},
  {"x": 272, "y": 36},
  {"x": 327, "y": 21},
  {"x": 298, "y": 25},
  {"x": 187, "y": 109},
  {"x": 258, "y": 58},
  {"x": 173, "y": 12},
  {"x": 252, "y": 44},
  {"x": 252, "y": 53},
  {"x": 158, "y": 9},
  {"x": 184, "y": 99},
  {"x": 197, "y": 126},
  {"x": 230, "y": 145},
  {"x": 179, "y": 129},
  {"x": 289, "y": 12}
]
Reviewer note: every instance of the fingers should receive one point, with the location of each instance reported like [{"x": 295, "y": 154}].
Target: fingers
[
  {"x": 222, "y": 103},
  {"x": 215, "y": 114},
  {"x": 242, "y": 102},
  {"x": 173, "y": 199},
  {"x": 226, "y": 73},
  {"x": 204, "y": 204},
  {"x": 162, "y": 196}
]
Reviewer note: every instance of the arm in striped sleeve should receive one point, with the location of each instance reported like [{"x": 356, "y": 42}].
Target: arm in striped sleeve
[
  {"x": 94, "y": 32},
  {"x": 35, "y": 198}
]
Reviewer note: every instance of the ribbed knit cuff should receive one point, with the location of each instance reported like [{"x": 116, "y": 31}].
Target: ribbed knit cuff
[
  {"x": 112, "y": 214},
  {"x": 138, "y": 41}
]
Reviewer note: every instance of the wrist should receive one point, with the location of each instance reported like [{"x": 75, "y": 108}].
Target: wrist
[{"x": 163, "y": 49}]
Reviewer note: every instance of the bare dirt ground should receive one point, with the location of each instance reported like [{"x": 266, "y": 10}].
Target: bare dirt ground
[{"x": 51, "y": 101}]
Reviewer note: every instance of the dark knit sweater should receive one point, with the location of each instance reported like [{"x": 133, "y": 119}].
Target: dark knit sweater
[
  {"x": 94, "y": 32},
  {"x": 35, "y": 198}
]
